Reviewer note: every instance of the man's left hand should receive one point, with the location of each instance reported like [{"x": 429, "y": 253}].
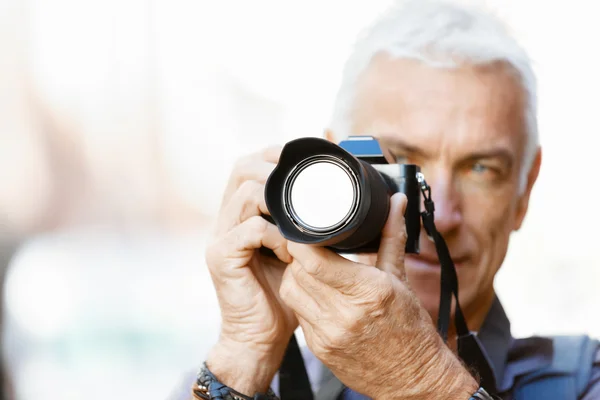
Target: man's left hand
[{"x": 367, "y": 326}]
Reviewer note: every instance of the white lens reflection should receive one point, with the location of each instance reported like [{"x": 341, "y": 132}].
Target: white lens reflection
[{"x": 322, "y": 195}]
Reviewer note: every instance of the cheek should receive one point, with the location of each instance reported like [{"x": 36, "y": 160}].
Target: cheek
[{"x": 490, "y": 222}]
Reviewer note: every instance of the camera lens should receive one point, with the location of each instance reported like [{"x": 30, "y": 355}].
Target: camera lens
[{"x": 321, "y": 195}]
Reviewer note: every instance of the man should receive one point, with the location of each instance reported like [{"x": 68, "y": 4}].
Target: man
[{"x": 444, "y": 87}]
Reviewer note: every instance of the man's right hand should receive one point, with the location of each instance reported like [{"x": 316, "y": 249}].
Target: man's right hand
[{"x": 256, "y": 324}]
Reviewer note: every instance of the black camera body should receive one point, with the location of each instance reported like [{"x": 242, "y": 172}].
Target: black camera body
[{"x": 338, "y": 196}]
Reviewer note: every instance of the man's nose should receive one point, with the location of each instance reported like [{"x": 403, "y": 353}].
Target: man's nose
[{"x": 448, "y": 211}]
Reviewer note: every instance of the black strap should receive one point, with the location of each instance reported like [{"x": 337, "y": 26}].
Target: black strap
[
  {"x": 470, "y": 349},
  {"x": 449, "y": 280},
  {"x": 293, "y": 378}
]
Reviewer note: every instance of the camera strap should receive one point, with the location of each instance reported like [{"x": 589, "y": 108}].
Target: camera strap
[
  {"x": 470, "y": 349},
  {"x": 294, "y": 383},
  {"x": 449, "y": 280},
  {"x": 293, "y": 377}
]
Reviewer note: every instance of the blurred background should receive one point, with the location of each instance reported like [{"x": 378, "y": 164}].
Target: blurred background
[{"x": 119, "y": 124}]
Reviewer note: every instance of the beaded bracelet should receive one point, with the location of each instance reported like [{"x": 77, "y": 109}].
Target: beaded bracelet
[
  {"x": 481, "y": 394},
  {"x": 208, "y": 387}
]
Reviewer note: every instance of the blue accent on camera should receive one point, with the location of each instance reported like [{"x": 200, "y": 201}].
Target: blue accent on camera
[{"x": 362, "y": 146}]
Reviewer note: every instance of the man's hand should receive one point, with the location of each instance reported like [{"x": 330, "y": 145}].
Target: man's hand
[
  {"x": 256, "y": 325},
  {"x": 367, "y": 326}
]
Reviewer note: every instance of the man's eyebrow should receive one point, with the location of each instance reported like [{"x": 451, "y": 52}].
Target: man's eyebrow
[
  {"x": 501, "y": 153},
  {"x": 394, "y": 144}
]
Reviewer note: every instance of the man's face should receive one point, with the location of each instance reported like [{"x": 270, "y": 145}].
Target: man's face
[{"x": 465, "y": 128}]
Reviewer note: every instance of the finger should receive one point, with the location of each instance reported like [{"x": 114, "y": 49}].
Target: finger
[
  {"x": 295, "y": 297},
  {"x": 257, "y": 167},
  {"x": 235, "y": 249},
  {"x": 390, "y": 257},
  {"x": 248, "y": 201},
  {"x": 322, "y": 293},
  {"x": 271, "y": 154},
  {"x": 326, "y": 266},
  {"x": 250, "y": 170}
]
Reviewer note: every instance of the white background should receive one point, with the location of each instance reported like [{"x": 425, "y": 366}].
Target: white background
[{"x": 148, "y": 103}]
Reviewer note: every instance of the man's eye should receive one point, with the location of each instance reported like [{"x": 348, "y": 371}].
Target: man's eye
[
  {"x": 485, "y": 172},
  {"x": 479, "y": 168}
]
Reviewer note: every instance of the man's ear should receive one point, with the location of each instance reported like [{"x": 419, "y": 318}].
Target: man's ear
[
  {"x": 524, "y": 199},
  {"x": 329, "y": 135}
]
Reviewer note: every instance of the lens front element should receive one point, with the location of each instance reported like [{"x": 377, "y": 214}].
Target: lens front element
[{"x": 321, "y": 195}]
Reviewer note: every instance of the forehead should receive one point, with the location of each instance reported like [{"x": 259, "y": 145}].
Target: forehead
[{"x": 469, "y": 106}]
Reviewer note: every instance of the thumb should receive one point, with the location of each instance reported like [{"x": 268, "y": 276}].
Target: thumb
[{"x": 390, "y": 257}]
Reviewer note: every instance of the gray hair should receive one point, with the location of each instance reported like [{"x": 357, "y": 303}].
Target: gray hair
[{"x": 439, "y": 33}]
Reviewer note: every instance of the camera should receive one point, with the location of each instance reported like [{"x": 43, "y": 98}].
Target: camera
[{"x": 338, "y": 195}]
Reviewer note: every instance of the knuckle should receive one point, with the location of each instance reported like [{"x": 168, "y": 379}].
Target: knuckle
[
  {"x": 285, "y": 288},
  {"x": 402, "y": 234},
  {"x": 377, "y": 304},
  {"x": 241, "y": 167},
  {"x": 250, "y": 192},
  {"x": 352, "y": 318},
  {"x": 315, "y": 266},
  {"x": 385, "y": 292},
  {"x": 258, "y": 225},
  {"x": 338, "y": 338},
  {"x": 248, "y": 189},
  {"x": 241, "y": 164},
  {"x": 374, "y": 299}
]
